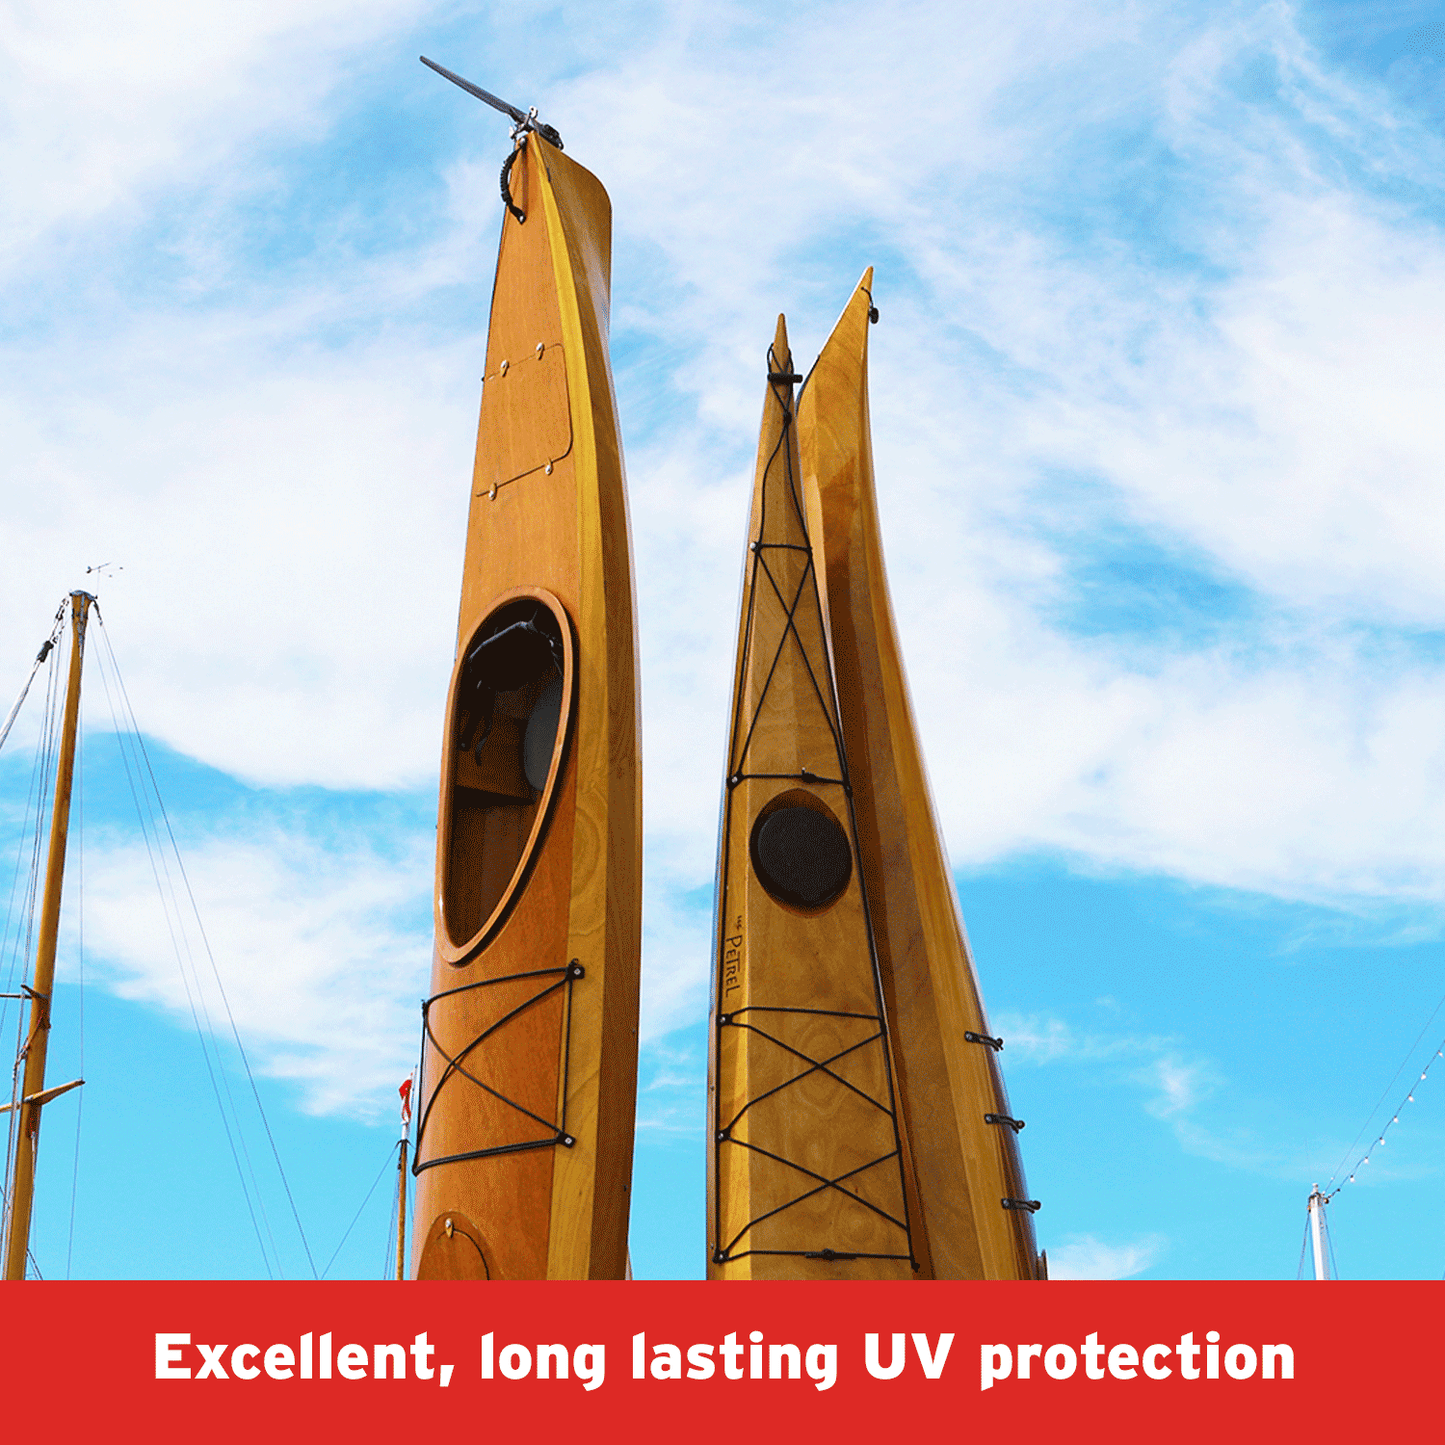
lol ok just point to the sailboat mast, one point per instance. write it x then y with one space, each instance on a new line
22 1183
401 1212
405 1092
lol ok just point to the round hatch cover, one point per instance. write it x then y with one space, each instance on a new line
801 856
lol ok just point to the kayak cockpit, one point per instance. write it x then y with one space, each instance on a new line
510 715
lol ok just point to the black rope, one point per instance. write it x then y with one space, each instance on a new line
507 164
803 776
725 1255
815 1065
829 1013
564 978
790 626
457 1231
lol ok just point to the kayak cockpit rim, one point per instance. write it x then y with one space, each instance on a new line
510 714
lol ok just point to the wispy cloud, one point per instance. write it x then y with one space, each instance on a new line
314 949
1081 1256
1152 277
672 1085
1045 1039
1178 1086
1183 1090
109 110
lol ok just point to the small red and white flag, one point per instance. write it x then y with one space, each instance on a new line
405 1092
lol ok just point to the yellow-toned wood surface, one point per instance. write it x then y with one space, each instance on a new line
805 1175
530 1054
963 1168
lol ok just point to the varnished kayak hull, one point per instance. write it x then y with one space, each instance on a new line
973 1219
524 1146
806 1164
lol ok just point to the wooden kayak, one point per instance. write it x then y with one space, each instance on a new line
806 1167
529 1051
973 1218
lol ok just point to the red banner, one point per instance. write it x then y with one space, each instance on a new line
737 1363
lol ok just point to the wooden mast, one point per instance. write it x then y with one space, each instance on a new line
975 1217
33 1093
401 1210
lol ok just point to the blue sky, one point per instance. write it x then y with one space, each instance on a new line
1159 447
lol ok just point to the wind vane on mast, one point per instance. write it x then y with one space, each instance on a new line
523 119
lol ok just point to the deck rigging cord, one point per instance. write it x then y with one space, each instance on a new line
169 870
553 1133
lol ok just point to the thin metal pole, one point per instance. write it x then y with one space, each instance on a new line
22 1184
1317 1232
405 1092
401 1211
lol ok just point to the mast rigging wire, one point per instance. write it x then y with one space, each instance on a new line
21 949
210 955
1328 1193
205 1033
168 871
390 1154
173 882
46 648
389 1261
1395 1118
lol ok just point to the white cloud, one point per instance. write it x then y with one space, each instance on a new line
1178 1086
1173 1086
321 971
671 1097
1082 1256
1038 1039
103 108
676 954
1238 364
1188 1093
288 595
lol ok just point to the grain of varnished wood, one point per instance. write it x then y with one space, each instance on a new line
962 1167
548 512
